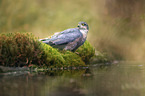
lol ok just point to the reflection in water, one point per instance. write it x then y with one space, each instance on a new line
116 80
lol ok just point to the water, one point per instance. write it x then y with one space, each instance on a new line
122 79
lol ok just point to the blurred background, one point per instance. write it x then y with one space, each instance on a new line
117 27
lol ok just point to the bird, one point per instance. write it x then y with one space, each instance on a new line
69 39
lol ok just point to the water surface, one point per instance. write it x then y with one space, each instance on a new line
122 79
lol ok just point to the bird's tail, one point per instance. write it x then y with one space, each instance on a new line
45 40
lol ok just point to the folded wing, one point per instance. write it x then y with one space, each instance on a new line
60 40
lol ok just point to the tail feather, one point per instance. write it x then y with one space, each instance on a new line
49 42
45 39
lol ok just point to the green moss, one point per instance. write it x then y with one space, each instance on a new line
71 59
86 52
51 57
23 49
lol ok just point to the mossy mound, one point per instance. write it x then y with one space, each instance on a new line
86 51
23 49
71 59
20 49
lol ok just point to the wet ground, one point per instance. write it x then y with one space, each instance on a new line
121 79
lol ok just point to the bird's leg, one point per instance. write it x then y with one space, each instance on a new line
77 53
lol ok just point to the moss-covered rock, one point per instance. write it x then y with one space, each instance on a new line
86 51
23 49
20 49
71 59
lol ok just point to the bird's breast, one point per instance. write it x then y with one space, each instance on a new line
84 33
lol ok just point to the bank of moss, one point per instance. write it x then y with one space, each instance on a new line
23 49
86 51
71 59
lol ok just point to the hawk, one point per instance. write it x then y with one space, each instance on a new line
69 39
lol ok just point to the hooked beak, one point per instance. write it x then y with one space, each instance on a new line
78 25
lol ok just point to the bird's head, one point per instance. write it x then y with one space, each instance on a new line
83 26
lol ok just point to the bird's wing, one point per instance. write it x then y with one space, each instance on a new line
65 36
